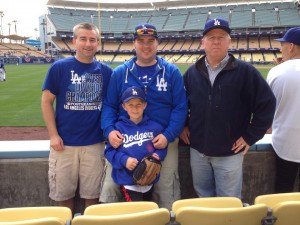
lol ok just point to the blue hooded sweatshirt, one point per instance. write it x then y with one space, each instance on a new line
165 93
137 143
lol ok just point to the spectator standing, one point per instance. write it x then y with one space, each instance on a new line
231 107
138 132
78 84
284 81
2 72
167 105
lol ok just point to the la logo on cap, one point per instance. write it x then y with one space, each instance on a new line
217 22
134 92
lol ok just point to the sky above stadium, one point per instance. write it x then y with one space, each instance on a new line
26 13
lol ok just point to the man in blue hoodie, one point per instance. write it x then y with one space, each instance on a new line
167 105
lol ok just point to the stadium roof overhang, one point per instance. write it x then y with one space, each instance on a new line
145 4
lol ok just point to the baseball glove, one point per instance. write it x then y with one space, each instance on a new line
147 171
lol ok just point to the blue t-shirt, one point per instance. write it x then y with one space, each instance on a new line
80 89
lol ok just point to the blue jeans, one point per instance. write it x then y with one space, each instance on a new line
217 176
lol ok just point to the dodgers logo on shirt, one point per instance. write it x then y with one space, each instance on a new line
161 84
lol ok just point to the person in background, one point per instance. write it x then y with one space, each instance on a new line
166 104
2 72
231 107
78 85
284 80
138 132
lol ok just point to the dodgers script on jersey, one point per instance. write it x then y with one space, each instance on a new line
136 139
84 92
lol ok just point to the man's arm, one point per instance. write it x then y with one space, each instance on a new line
49 117
179 108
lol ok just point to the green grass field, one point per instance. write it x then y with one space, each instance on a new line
20 95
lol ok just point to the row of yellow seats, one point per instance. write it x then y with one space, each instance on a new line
206 211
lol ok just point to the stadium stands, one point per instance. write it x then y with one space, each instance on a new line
254 26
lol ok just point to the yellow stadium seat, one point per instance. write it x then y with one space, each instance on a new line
159 216
287 213
272 199
211 202
118 208
29 213
40 221
251 215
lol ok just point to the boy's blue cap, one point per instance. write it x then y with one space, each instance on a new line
291 36
145 29
216 23
133 92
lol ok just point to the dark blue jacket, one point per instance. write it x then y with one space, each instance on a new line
240 103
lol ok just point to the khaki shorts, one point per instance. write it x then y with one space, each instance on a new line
165 191
76 165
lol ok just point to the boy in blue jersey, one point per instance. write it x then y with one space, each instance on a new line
78 85
138 132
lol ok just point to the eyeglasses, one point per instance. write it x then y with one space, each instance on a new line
149 31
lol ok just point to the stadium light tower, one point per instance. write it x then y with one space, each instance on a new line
35 29
1 15
9 24
15 22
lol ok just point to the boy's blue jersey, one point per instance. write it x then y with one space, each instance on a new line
165 93
137 143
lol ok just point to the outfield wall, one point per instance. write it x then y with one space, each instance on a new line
24 168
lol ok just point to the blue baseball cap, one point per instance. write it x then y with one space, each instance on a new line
133 92
291 36
216 23
145 29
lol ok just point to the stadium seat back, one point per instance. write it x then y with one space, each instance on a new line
287 213
212 202
272 199
159 216
251 215
29 213
39 221
118 208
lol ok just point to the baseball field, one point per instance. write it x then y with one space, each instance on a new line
20 94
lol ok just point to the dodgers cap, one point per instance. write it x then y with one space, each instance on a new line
216 23
133 92
291 36
145 29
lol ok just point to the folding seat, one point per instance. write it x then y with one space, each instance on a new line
195 215
286 213
160 216
211 202
39 221
29 213
118 208
273 199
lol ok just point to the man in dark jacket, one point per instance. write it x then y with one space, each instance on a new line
231 108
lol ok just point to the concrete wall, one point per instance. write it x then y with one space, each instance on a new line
24 182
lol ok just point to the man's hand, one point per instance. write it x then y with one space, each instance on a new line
56 143
115 138
160 141
185 135
240 145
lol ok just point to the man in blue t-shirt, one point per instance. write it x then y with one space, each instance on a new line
78 85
